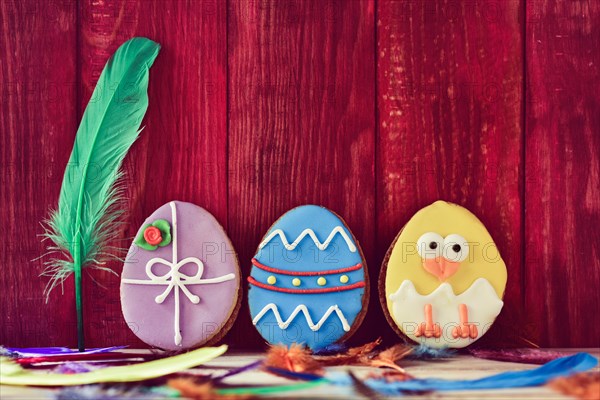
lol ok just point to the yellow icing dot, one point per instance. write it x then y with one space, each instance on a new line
321 281
271 280
344 278
296 282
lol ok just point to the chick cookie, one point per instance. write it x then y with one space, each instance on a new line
442 280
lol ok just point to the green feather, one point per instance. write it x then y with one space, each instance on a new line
88 204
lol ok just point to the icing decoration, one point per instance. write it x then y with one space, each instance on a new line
307 242
442 256
456 248
356 285
430 245
311 233
256 263
428 328
443 269
155 235
440 267
344 279
465 329
152 235
302 308
181 273
408 305
271 280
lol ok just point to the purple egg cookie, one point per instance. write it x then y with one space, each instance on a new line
181 280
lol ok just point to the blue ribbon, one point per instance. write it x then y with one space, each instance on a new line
513 379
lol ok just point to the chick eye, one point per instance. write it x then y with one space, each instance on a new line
430 245
456 248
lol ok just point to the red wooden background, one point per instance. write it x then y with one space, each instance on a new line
372 108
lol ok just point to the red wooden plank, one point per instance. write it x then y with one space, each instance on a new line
301 92
562 203
181 155
450 126
37 121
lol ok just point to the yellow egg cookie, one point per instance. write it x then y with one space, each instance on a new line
443 280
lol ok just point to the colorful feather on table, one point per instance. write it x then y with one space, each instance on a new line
526 356
189 388
422 352
115 392
585 385
88 211
13 374
295 358
49 352
237 371
560 367
361 388
360 355
389 357
300 364
300 360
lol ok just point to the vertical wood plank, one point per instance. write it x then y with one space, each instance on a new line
450 121
181 154
301 98
562 203
37 121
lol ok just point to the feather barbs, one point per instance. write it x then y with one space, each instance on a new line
88 209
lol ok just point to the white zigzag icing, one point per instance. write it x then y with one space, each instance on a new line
311 233
314 327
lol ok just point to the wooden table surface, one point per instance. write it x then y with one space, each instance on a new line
459 367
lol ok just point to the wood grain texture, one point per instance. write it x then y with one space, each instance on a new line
181 154
562 203
37 120
301 119
373 108
450 119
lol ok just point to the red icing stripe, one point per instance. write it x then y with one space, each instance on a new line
305 291
305 273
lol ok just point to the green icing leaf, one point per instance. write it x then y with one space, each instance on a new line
163 225
166 239
145 245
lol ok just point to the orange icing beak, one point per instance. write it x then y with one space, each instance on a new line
441 267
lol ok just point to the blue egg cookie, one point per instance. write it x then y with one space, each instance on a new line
309 283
